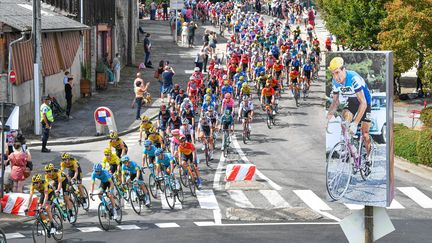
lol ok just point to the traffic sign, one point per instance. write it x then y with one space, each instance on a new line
101 115
12 76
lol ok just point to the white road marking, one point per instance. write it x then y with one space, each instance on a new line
353 206
257 172
395 205
128 227
218 173
10 236
240 199
275 198
89 229
312 200
205 223
165 205
207 199
167 225
417 196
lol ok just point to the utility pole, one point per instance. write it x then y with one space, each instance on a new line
37 61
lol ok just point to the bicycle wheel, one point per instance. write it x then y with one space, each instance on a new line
153 186
39 232
338 171
366 169
169 195
58 224
104 217
135 200
2 236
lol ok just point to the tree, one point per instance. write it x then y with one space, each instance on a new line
355 22
407 32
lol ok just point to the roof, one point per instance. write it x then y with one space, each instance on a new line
18 14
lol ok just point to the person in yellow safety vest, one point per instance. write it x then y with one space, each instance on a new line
47 119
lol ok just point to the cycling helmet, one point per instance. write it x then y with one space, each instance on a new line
208 98
107 151
37 178
65 156
49 167
175 132
185 121
97 167
227 96
197 69
124 158
208 90
144 118
147 143
336 63
113 135
158 152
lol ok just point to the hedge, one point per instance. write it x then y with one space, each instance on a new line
405 143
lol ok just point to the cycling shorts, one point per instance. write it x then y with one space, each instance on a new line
353 105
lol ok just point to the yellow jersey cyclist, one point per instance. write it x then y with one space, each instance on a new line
118 144
74 173
156 138
110 161
106 182
144 127
148 156
135 175
46 197
60 182
357 111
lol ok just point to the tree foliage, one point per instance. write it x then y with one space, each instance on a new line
354 22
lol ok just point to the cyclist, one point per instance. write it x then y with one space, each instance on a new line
135 174
205 129
74 173
164 160
60 183
246 111
106 182
187 153
144 127
148 153
226 122
187 130
357 111
156 138
46 197
267 96
118 144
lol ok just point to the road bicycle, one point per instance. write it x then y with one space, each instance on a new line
2 236
173 190
77 199
155 183
136 196
41 229
105 211
345 159
59 207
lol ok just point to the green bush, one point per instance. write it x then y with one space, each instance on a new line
426 116
424 147
405 142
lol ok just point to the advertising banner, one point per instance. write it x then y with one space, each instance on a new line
359 131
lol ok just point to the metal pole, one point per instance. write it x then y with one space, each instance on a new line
368 224
37 48
2 151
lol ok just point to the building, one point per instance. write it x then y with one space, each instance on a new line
60 51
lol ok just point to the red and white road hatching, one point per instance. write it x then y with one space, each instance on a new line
240 172
16 203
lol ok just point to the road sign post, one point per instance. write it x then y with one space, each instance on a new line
104 117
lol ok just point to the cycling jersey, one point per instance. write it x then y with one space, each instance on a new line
166 160
354 83
267 92
104 176
150 151
186 149
132 168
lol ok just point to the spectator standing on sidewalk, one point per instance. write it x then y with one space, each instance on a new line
116 67
47 119
139 93
147 48
191 33
68 95
153 8
167 81
18 161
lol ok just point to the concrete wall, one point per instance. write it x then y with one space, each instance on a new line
23 95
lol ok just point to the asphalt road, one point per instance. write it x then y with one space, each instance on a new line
290 189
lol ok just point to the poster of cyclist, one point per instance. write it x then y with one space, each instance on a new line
359 151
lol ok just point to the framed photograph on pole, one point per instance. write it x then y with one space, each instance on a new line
359 131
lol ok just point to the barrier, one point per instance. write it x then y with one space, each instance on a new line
240 172
16 203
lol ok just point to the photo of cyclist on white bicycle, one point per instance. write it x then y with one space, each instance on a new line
353 80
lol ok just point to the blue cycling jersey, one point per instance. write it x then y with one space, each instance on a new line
151 151
104 176
132 168
354 83
167 158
